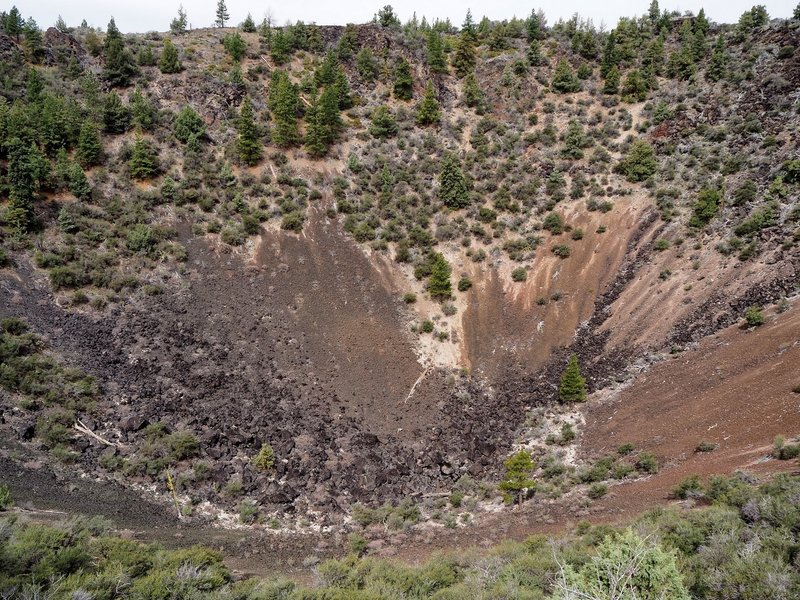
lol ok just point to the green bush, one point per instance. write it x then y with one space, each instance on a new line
705 207
689 487
5 497
754 316
640 162
561 250
519 274
647 463
182 445
265 459
597 491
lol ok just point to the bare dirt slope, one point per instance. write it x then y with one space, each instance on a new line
733 389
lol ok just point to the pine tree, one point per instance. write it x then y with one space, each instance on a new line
498 41
653 12
573 141
611 85
564 79
90 150
428 111
235 45
116 116
324 123
14 23
281 48
439 286
325 74
143 163
383 124
435 53
464 58
342 88
653 62
78 183
473 95
249 143
517 478
534 31
169 62
468 29
330 120
634 89
222 14
314 145
179 24
610 57
189 125
119 65
716 66
248 25
283 101
146 57
640 163
573 385
403 82
34 85
34 44
21 186
701 24
143 111
452 184
366 65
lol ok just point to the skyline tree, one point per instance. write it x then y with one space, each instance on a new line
222 15
178 25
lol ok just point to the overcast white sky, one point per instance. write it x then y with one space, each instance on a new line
149 15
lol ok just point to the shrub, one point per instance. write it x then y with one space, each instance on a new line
248 511
597 491
705 447
409 297
689 487
141 238
647 463
754 317
182 445
661 245
464 284
561 250
357 543
705 207
5 497
553 223
427 326
265 459
519 274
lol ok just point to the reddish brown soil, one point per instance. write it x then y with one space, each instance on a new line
505 325
733 389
